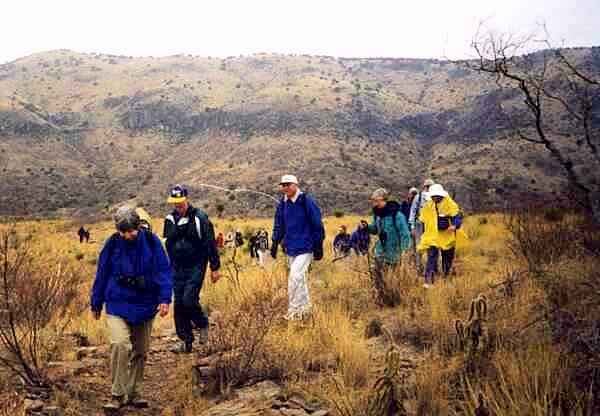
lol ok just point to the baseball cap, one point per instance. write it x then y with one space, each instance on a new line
288 179
178 194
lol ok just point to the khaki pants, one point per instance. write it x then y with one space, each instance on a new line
128 347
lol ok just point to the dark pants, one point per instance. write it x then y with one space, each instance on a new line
432 263
188 312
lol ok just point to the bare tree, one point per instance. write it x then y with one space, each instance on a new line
561 100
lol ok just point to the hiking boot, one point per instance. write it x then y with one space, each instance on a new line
138 403
182 348
203 336
114 405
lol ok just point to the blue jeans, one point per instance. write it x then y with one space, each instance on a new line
432 263
187 310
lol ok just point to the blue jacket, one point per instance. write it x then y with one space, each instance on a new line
360 240
132 258
298 224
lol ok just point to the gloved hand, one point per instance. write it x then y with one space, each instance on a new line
274 248
318 252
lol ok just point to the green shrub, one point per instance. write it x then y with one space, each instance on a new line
338 213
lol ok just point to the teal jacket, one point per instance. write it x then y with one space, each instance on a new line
393 239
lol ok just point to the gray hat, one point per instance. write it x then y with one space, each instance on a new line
126 219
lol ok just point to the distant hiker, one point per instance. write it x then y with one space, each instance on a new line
252 246
416 226
261 247
407 203
299 226
239 239
134 282
360 239
230 240
82 233
220 241
390 226
145 219
191 245
442 220
341 243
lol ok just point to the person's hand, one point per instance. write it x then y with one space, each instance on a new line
215 276
163 309
274 250
97 314
452 228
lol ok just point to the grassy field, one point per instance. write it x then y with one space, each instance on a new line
341 355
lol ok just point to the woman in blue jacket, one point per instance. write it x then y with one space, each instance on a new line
134 283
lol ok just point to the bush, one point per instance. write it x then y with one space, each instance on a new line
338 213
36 306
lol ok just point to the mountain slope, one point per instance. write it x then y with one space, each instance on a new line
80 132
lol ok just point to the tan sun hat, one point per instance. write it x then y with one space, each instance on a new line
288 179
437 190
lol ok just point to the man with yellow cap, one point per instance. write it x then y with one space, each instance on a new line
191 245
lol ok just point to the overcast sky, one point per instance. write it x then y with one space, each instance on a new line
396 28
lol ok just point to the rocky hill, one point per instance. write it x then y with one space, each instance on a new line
82 132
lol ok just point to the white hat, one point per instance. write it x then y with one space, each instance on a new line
437 190
428 182
413 190
289 179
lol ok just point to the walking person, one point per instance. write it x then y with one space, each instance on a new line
341 243
81 233
442 220
416 227
191 246
298 225
262 247
390 226
407 203
360 239
134 283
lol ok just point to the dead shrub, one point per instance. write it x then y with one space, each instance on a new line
36 305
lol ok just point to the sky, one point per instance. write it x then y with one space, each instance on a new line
359 28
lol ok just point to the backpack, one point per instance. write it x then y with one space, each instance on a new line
319 248
262 243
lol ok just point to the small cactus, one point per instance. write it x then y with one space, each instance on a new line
477 317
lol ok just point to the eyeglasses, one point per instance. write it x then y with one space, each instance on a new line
285 185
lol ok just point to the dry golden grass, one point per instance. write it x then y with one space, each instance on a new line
517 371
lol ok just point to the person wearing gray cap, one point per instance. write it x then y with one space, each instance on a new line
416 227
298 225
133 282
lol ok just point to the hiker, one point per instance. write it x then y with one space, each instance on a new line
416 226
191 245
298 225
261 247
341 243
252 246
134 282
393 238
239 239
391 228
81 233
442 220
220 241
360 239
407 203
230 240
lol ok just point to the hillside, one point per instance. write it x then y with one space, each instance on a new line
81 132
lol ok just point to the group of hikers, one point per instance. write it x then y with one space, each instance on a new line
137 278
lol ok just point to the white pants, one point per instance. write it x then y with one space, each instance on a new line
298 297
262 257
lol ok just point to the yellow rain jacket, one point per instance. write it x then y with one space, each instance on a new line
432 237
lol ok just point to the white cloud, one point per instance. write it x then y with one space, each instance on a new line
422 28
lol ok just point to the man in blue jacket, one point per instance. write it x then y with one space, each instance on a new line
299 226
191 244
134 282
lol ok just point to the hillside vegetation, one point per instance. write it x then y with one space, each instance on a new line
81 132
